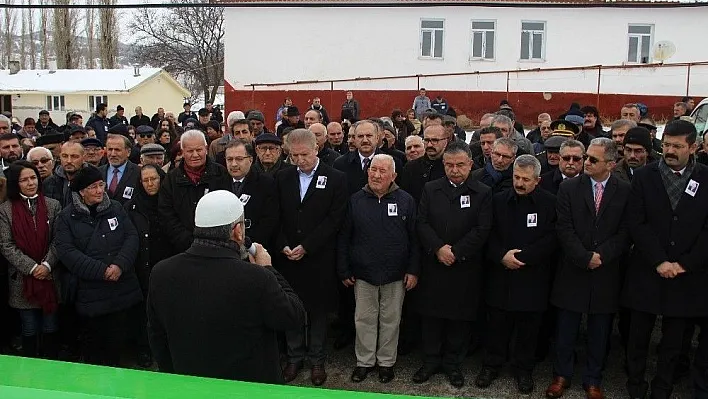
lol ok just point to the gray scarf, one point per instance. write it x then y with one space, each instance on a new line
675 185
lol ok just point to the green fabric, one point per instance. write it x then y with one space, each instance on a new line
23 378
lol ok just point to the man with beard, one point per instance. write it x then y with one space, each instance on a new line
57 185
618 130
255 190
497 174
414 148
403 126
680 109
46 125
268 151
10 149
43 160
637 147
428 167
335 138
324 152
121 175
572 155
93 152
519 257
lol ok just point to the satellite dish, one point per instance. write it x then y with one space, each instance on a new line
663 50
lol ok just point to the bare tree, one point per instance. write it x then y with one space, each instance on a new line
90 36
32 44
107 29
44 38
10 25
186 41
64 34
23 39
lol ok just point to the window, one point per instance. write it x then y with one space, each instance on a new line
95 100
483 35
533 37
55 103
431 38
639 43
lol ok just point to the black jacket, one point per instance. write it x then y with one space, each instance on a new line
155 121
279 165
323 112
313 223
260 207
328 155
550 181
87 245
525 289
418 172
580 233
56 186
49 129
350 110
661 234
141 120
497 186
376 243
452 292
116 120
351 165
101 126
179 197
534 135
285 125
212 315
127 185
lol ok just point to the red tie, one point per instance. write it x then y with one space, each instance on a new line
598 196
114 182
677 174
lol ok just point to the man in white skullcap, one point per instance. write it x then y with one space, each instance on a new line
212 314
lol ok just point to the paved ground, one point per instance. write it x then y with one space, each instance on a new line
340 365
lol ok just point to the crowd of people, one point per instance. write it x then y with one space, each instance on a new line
218 248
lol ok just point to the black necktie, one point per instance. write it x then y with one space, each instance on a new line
237 188
367 163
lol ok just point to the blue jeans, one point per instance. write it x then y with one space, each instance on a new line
34 319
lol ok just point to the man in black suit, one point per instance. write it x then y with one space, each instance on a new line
429 167
324 152
667 273
313 200
497 174
121 175
519 254
255 190
593 237
454 220
572 153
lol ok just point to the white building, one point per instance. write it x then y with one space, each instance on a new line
326 41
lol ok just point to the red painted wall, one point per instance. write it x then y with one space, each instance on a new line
379 103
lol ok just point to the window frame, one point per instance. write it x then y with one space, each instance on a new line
484 40
93 97
640 37
421 30
50 102
543 41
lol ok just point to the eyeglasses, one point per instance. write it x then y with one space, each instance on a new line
502 156
42 161
594 160
91 150
237 159
145 135
266 149
674 146
573 158
429 140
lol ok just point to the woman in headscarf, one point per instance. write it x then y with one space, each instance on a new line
97 243
142 210
27 242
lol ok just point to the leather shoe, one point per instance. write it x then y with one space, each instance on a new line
360 373
593 392
291 371
318 374
385 374
455 378
557 387
524 383
424 373
485 377
344 339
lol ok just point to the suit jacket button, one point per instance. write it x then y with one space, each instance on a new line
673 243
675 218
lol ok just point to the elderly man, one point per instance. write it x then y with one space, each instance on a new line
312 117
593 238
118 117
680 109
121 175
292 119
313 200
5 125
535 136
324 152
618 130
45 124
380 212
93 151
185 185
139 119
256 191
335 138
53 143
414 148
637 148
75 133
506 126
498 173
428 167
545 133
43 160
630 112
207 282
669 225
519 255
152 154
268 152
454 219
257 122
572 156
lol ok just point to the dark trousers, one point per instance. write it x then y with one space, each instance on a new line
345 313
700 362
546 333
523 327
444 342
312 346
105 338
599 328
640 328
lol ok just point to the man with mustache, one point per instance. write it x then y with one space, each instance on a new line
518 263
121 175
571 157
428 167
618 130
637 147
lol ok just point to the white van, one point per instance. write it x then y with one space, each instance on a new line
700 116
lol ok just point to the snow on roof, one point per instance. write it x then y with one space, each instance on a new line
74 80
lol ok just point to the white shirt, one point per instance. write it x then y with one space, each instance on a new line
362 158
